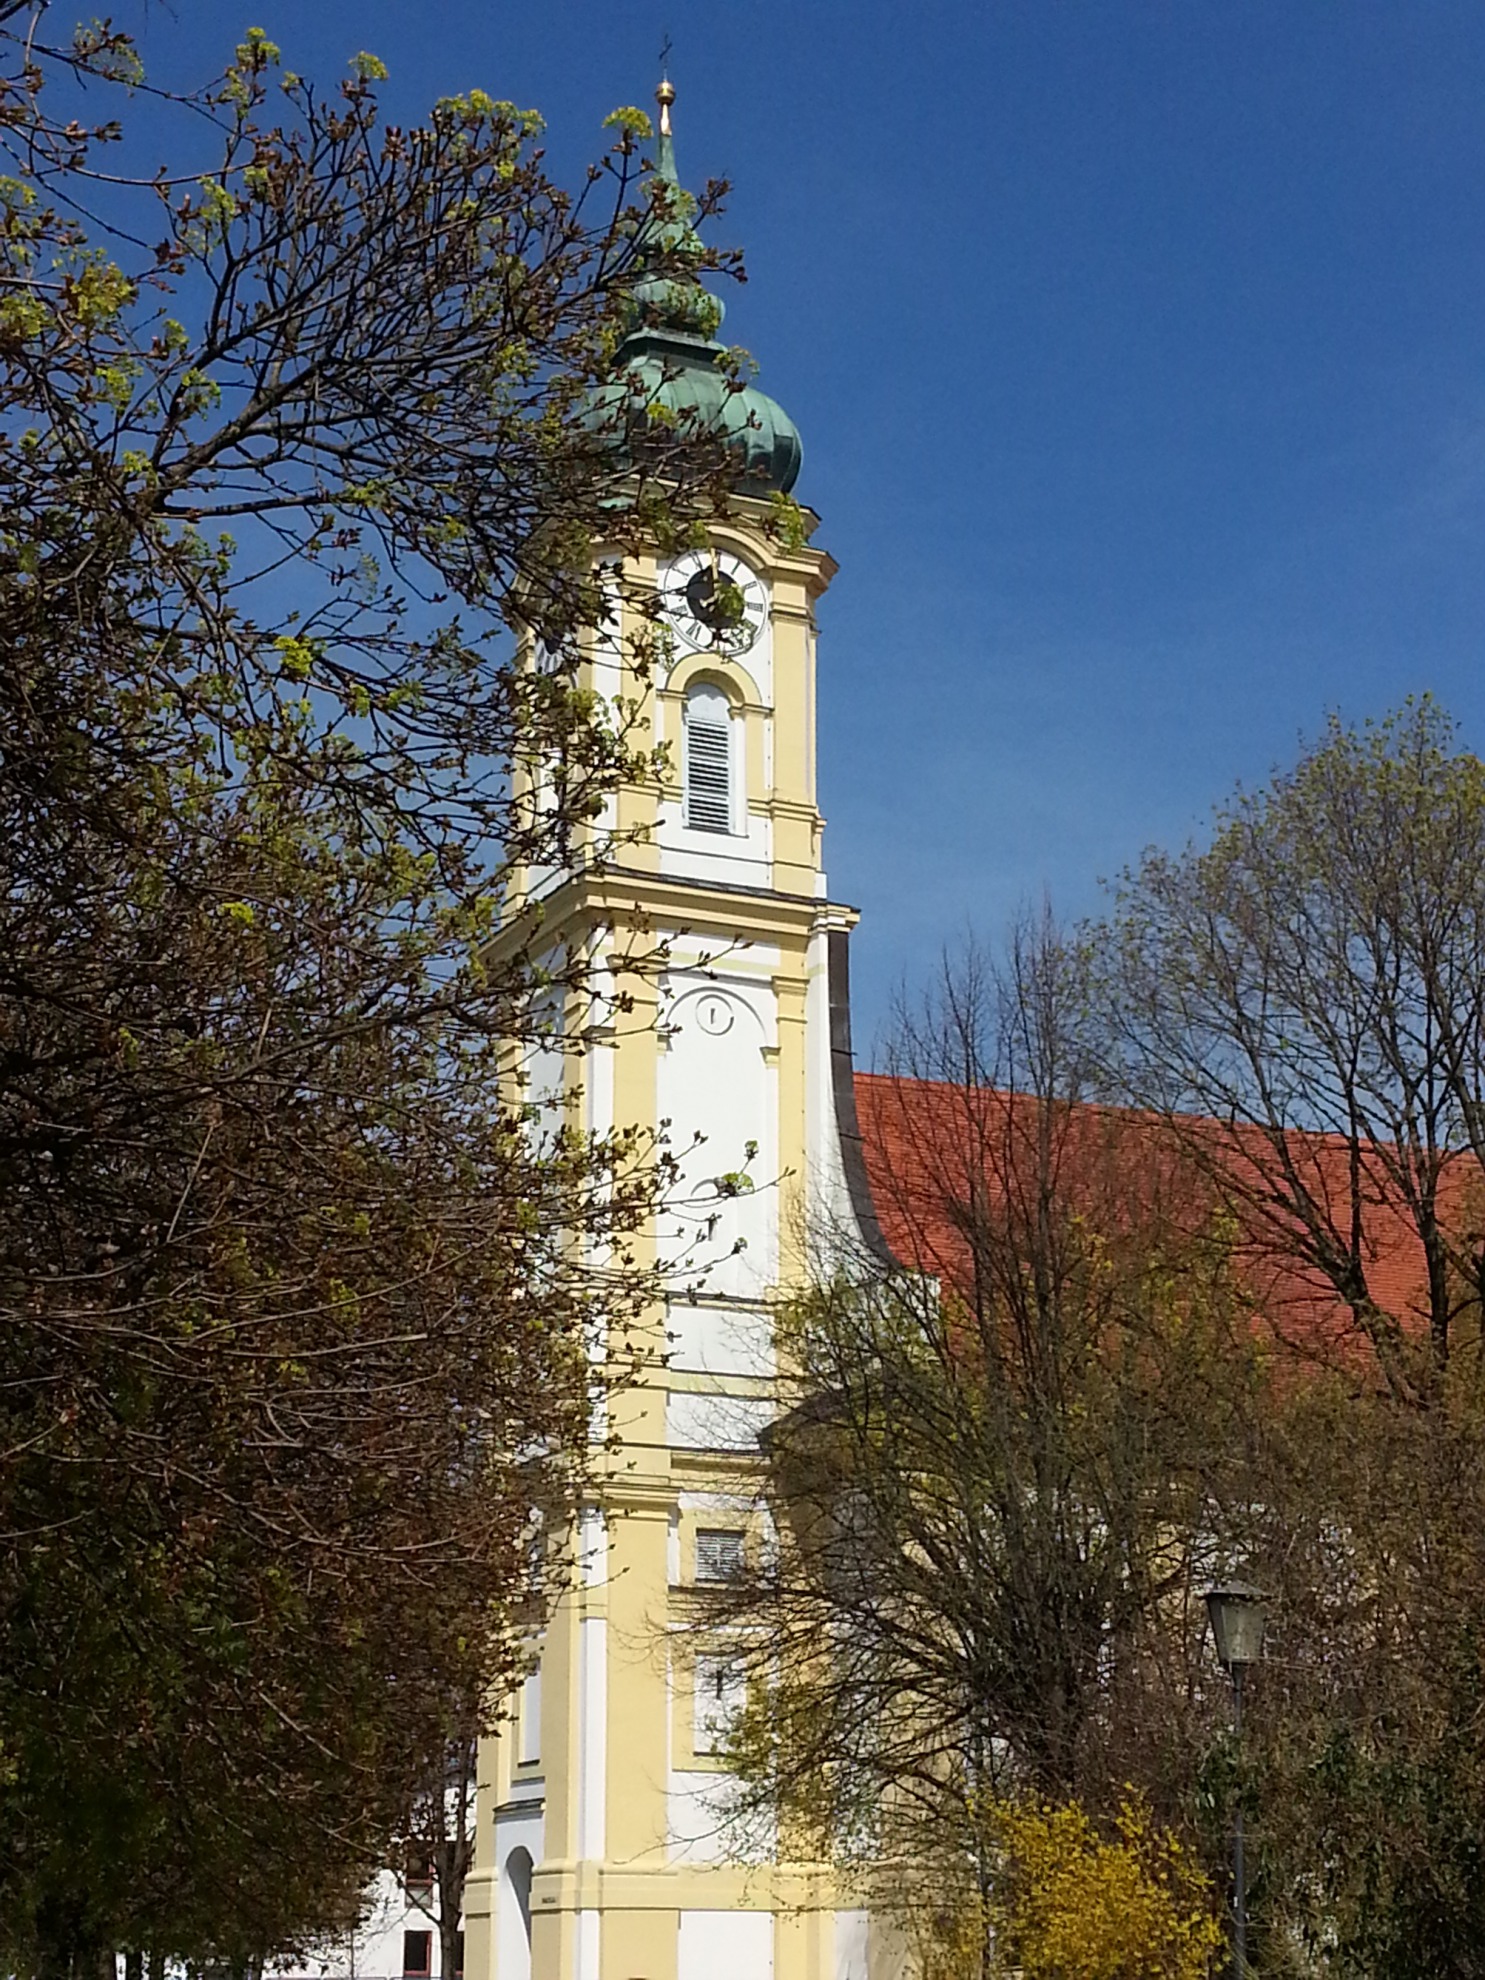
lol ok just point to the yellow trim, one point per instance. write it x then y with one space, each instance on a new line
731 676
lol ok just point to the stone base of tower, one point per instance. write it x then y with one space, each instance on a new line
770 1924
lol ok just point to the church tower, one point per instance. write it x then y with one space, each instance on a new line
599 1852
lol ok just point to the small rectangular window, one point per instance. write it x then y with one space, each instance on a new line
417 1955
419 1873
719 1555
529 1749
720 1691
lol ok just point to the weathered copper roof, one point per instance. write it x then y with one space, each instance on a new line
671 359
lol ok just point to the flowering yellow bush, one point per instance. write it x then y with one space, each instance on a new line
1079 1905
1045 1894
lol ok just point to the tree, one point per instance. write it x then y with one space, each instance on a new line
1298 1002
438 1843
1187 1218
992 1482
294 1389
1363 1766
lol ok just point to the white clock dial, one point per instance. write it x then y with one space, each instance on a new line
714 602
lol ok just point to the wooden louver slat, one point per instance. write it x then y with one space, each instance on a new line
708 778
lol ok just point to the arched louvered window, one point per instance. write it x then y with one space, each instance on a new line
708 759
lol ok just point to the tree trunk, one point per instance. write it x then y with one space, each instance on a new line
450 1953
64 1949
452 1869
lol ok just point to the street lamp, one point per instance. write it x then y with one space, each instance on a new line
1237 1614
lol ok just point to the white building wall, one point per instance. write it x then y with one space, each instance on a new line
725 1945
718 1089
852 1943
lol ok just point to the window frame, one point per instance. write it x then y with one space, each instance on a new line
730 1541
409 1938
713 693
718 1694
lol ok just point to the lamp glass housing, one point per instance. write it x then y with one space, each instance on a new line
1238 1613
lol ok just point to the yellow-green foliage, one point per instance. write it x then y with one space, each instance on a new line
1061 1898
1082 1905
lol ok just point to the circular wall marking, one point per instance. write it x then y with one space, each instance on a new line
714 1015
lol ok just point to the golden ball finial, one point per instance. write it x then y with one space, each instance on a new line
665 96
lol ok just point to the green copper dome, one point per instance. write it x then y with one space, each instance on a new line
671 358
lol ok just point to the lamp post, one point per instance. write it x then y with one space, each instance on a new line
1237 1614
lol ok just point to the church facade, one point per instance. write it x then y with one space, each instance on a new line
602 1849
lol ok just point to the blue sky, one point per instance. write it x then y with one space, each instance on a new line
1139 354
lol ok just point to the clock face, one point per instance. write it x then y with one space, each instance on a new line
714 602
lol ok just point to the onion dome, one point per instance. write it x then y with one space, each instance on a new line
670 357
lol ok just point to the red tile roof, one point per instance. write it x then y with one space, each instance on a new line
937 1155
